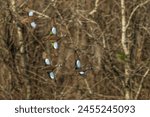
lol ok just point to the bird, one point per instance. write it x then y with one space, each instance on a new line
51 75
77 64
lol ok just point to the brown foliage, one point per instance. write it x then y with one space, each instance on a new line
94 39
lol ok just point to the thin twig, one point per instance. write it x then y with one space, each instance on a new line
23 3
46 8
88 87
95 8
140 86
134 10
40 14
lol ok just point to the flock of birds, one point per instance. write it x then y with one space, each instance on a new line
55 45
52 75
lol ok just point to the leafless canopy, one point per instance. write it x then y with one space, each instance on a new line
103 49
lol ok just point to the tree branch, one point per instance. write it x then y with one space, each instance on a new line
140 86
134 10
95 8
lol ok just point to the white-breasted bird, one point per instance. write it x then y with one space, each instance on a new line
47 61
77 64
33 24
54 30
51 75
30 13
55 45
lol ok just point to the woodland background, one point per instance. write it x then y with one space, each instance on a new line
116 61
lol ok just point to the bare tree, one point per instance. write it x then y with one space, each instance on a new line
108 38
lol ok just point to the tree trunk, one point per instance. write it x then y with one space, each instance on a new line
124 42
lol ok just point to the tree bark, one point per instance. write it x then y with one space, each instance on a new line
124 42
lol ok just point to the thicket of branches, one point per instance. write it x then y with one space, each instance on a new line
89 30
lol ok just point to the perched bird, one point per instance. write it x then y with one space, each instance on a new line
33 24
30 13
51 75
77 64
47 61
55 45
54 30
82 73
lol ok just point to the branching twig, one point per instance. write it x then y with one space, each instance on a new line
134 10
146 29
140 86
95 8
46 8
